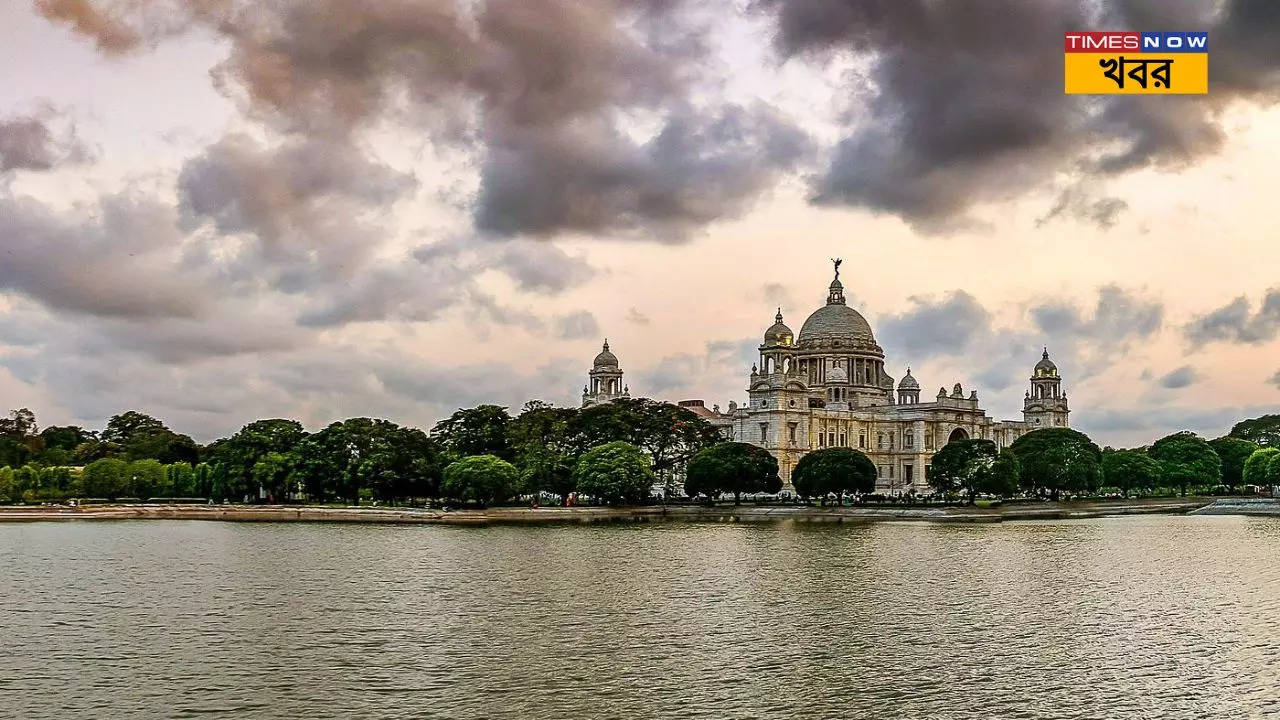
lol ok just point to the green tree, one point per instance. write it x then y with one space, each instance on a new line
1263 431
147 479
66 437
106 478
962 466
1255 468
484 479
402 463
9 491
203 480
272 473
1234 453
240 453
732 467
19 442
1004 476
1054 460
543 449
481 430
90 450
1186 459
181 479
669 434
141 436
614 473
834 470
1273 471
1129 470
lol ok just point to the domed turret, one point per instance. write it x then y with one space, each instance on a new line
908 382
778 333
1045 368
908 390
605 359
604 382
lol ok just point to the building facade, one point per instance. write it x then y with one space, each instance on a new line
828 387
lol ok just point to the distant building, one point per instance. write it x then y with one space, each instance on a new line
828 388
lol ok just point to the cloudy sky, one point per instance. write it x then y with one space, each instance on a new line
220 210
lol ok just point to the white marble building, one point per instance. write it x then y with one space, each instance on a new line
828 387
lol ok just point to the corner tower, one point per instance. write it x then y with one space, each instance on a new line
604 381
1045 404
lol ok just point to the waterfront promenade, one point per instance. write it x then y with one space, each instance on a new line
650 513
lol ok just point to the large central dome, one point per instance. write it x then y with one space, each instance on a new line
836 321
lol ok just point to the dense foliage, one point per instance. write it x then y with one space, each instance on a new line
734 468
1057 460
1234 453
1263 431
1257 467
963 466
614 473
1130 470
562 451
483 479
834 471
1186 459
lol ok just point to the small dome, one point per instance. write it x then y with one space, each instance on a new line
605 359
778 333
908 382
1046 367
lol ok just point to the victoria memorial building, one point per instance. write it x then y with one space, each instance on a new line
827 387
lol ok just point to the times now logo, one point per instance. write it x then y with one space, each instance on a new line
1101 42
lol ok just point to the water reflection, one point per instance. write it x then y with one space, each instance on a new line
1140 616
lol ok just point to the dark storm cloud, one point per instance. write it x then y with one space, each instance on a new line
1236 323
1180 378
28 143
964 101
587 176
1117 316
1087 340
934 326
536 87
541 267
303 201
118 259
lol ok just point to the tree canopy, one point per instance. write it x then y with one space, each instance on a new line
1263 431
1257 466
615 473
481 430
1186 459
963 466
1056 460
1234 453
1129 470
484 479
834 471
732 467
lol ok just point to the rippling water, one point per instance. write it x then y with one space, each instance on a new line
1151 617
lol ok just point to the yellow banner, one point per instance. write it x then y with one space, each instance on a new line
1137 73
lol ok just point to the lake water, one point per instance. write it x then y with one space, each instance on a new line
1138 617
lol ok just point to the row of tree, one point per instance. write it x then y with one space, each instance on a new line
278 460
613 453
1060 460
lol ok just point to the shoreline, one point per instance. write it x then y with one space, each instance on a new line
642 514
